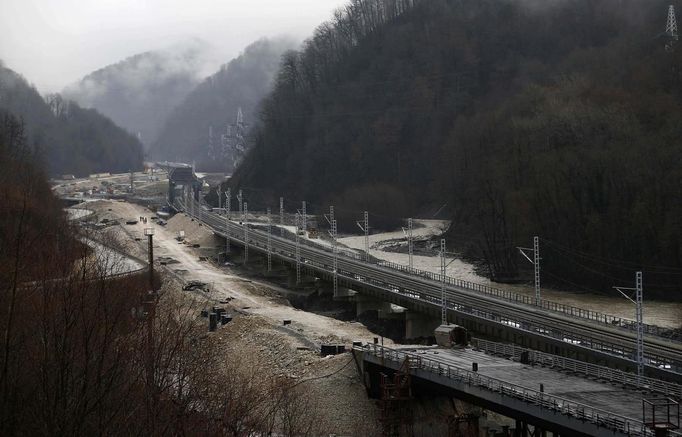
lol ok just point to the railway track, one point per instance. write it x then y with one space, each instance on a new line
581 333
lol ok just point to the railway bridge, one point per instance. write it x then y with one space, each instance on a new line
565 331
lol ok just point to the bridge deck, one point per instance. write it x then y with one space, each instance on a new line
597 394
567 405
569 335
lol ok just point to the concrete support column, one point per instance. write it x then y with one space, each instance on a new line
419 325
520 429
365 303
345 294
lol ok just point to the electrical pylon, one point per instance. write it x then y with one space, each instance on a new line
671 24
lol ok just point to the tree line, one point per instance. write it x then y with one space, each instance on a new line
68 139
80 354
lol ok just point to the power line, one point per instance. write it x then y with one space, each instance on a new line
624 264
613 278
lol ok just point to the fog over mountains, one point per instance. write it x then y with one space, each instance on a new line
65 137
197 129
139 92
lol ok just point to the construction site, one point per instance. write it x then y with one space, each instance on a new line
258 318
258 313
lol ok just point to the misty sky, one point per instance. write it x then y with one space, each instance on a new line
55 42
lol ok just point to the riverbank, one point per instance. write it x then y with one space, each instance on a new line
662 313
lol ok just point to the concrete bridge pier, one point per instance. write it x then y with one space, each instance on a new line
306 280
345 294
365 303
419 325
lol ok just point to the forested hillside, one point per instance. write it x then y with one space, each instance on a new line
139 92
560 119
33 225
68 138
214 103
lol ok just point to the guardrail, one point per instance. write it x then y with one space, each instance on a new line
544 359
566 407
530 300
236 233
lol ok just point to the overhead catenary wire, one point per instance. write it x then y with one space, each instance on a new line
629 265
462 238
617 279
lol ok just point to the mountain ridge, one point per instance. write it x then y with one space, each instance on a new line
68 138
526 119
213 105
139 92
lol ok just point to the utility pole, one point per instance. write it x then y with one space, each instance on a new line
228 199
409 242
305 219
149 232
364 226
333 233
186 191
298 253
132 185
536 266
219 198
246 233
443 299
335 252
408 235
281 216
149 302
191 200
240 200
639 316
269 240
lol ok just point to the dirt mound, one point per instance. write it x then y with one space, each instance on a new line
331 383
195 232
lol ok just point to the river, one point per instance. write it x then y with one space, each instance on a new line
664 314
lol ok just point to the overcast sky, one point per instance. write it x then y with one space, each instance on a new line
55 42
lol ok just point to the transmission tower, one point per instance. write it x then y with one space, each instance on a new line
233 142
211 148
671 24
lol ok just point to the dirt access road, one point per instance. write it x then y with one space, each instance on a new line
337 396
250 296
